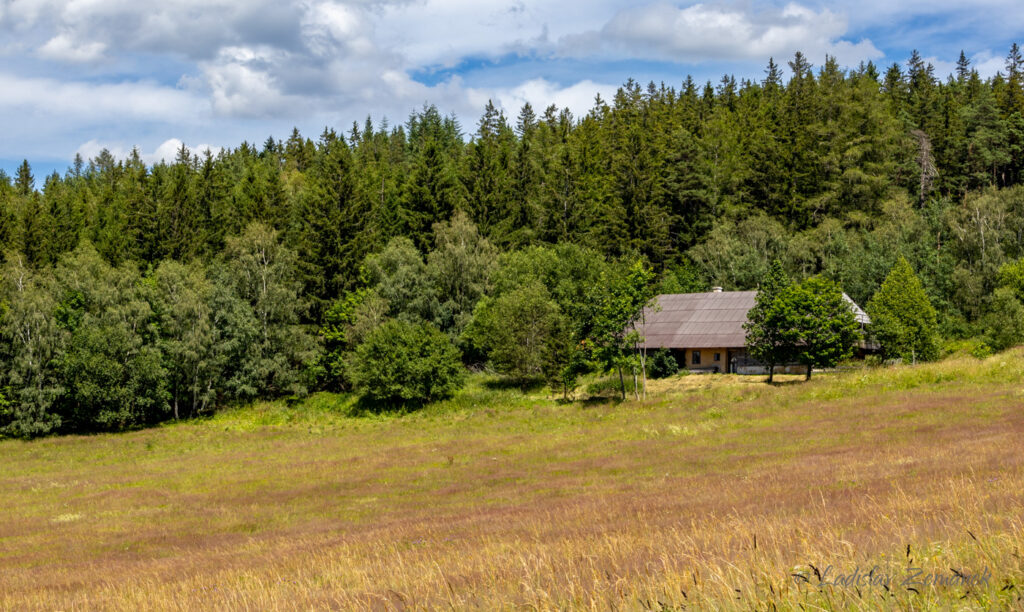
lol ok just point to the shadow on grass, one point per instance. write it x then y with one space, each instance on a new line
595 400
519 384
367 407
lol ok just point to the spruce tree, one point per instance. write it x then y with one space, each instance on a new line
24 182
902 317
963 68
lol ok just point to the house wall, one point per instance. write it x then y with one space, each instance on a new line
745 364
730 360
707 359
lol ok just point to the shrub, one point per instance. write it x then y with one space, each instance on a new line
873 361
661 364
1003 323
402 362
609 386
982 351
515 329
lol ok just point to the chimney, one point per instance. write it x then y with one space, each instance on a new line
716 290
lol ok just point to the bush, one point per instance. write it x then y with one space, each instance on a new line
609 386
1003 323
514 330
982 351
661 364
873 361
402 362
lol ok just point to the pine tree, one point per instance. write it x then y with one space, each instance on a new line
177 213
527 177
987 136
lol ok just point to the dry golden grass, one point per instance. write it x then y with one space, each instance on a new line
717 493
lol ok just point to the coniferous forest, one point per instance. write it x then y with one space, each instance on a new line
132 294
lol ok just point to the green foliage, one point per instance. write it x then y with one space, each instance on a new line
1003 323
272 352
326 229
399 275
337 335
564 359
768 340
661 364
902 317
516 329
407 363
737 254
181 297
611 386
111 367
831 172
808 322
981 350
614 306
819 324
569 272
566 274
460 267
1011 276
32 344
682 278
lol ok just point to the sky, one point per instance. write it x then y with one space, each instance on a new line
78 76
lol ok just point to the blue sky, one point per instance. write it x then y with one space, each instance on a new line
83 75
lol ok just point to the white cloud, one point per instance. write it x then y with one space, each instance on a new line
996 14
329 27
190 28
63 48
241 83
988 64
91 149
224 70
141 100
271 59
168 151
704 32
165 152
985 62
540 93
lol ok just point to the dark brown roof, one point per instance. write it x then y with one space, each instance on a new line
698 320
704 320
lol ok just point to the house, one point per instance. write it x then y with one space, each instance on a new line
705 331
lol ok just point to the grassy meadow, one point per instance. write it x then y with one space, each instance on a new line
886 488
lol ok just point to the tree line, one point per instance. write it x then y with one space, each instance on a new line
134 293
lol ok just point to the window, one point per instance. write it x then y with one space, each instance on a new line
695 357
718 356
